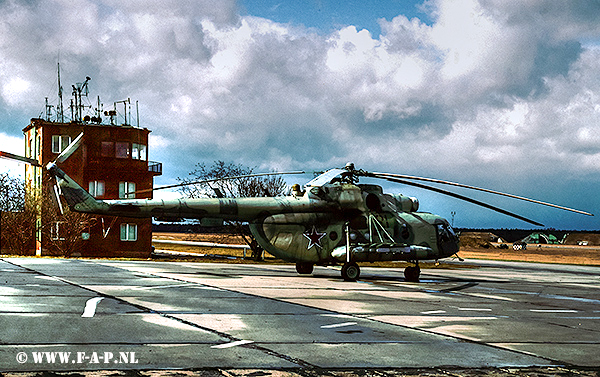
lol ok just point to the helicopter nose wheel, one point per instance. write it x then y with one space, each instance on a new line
350 271
304 268
412 273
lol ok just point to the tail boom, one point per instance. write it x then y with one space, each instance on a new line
241 209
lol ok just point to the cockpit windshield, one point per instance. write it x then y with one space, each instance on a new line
447 239
326 177
445 232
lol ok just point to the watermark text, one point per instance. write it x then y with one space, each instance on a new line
77 357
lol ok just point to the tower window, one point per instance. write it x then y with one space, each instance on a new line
128 232
57 231
96 188
138 151
122 149
107 149
126 190
60 143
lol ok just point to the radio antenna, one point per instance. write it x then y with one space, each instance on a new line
59 114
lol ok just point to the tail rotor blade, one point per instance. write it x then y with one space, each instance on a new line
61 157
10 156
70 149
57 197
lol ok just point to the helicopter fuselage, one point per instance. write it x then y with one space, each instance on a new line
362 224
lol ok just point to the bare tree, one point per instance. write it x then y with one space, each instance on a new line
220 172
12 193
25 212
63 231
18 219
221 186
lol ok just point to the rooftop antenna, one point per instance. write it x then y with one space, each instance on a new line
60 111
80 90
125 103
48 110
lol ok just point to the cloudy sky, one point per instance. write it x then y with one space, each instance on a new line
495 93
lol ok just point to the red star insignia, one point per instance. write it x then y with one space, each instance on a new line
314 237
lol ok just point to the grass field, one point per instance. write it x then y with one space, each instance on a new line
566 254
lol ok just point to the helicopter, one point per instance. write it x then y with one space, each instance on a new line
332 220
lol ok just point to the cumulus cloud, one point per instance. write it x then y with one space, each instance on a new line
484 89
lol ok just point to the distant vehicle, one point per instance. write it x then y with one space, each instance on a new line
520 245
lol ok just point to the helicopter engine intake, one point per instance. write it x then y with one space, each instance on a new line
406 203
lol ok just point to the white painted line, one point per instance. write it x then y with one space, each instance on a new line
434 312
48 278
476 309
337 315
233 344
338 325
90 307
553 310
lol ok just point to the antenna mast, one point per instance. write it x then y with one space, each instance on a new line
80 90
59 113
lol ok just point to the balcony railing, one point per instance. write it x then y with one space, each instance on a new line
155 167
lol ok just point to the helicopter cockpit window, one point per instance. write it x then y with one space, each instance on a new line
318 192
445 232
325 178
404 232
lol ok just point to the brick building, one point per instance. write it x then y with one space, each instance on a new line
111 162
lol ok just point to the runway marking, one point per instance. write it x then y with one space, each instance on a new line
434 312
53 278
336 325
493 297
553 310
90 307
337 315
556 297
233 344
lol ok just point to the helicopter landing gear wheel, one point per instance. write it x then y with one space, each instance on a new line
350 271
304 268
412 273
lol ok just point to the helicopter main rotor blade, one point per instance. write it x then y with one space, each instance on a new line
10 156
462 197
218 179
384 175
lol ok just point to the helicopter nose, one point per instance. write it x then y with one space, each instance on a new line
448 245
451 247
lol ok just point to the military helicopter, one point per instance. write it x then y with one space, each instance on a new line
332 220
